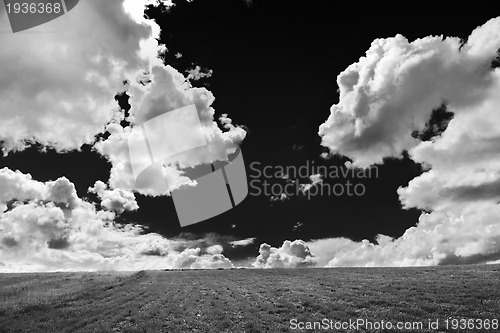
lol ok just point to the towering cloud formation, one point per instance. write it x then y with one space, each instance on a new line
385 97
393 89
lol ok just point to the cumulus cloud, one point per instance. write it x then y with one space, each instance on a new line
58 80
47 227
390 93
117 200
441 237
393 89
289 255
214 249
168 90
18 186
192 258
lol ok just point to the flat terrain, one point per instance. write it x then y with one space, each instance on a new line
246 300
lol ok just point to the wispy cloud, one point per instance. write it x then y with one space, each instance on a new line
243 242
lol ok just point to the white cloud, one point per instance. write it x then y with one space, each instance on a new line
58 81
192 258
18 186
115 149
197 73
214 249
289 255
281 197
391 92
167 91
297 226
315 180
393 89
117 200
57 86
46 227
243 242
471 235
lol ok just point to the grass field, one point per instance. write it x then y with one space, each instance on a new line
245 300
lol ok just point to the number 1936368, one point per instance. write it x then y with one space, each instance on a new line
33 8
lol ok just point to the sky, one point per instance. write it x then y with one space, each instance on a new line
369 136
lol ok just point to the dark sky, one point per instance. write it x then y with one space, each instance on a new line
274 71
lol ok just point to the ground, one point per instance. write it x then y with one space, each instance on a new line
248 300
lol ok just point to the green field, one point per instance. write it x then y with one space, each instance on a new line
246 300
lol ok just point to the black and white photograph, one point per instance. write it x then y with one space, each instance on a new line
249 166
